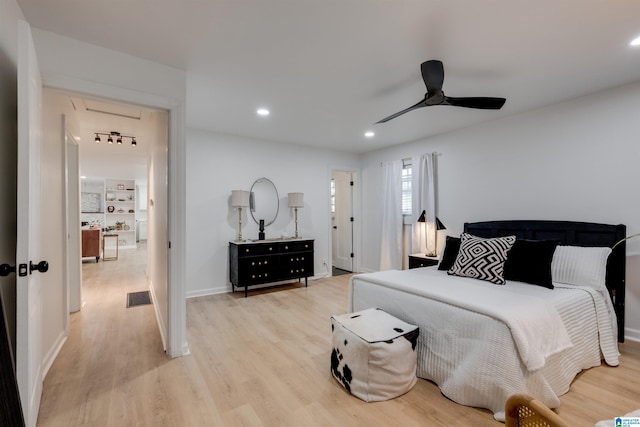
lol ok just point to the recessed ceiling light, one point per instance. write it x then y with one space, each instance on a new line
635 42
262 112
369 134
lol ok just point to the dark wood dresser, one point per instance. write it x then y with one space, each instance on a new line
91 243
256 263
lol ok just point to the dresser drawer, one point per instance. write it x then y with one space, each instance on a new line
256 270
299 264
419 261
305 245
257 249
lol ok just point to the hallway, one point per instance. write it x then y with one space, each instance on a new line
102 365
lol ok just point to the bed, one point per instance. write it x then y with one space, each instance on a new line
482 342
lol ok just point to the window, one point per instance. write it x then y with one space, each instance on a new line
333 195
406 187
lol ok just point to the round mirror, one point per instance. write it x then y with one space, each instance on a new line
263 201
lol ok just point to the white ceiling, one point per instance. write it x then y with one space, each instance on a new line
329 69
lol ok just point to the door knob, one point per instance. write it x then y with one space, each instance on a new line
42 266
6 269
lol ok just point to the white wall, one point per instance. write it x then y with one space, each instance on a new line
573 161
218 164
64 61
74 65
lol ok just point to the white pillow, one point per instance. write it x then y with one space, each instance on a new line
576 265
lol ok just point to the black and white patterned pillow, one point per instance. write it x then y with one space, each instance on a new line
482 258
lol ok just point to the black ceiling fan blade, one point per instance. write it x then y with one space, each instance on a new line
482 103
406 110
432 74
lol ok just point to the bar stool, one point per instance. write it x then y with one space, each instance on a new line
111 257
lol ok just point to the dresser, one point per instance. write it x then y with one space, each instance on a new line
256 263
91 243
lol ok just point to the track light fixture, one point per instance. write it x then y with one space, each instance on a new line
118 139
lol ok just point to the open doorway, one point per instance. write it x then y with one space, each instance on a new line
124 193
342 221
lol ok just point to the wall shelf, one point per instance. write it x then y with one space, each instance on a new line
111 201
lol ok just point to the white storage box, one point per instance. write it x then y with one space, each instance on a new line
374 354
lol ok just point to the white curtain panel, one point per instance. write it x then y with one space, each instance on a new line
391 250
424 199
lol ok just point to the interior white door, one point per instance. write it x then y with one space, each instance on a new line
28 281
342 244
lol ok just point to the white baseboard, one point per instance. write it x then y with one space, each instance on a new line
53 352
227 289
161 324
208 291
631 334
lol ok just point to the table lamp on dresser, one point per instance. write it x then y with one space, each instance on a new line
295 202
239 199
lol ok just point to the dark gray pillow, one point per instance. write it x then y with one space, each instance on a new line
482 258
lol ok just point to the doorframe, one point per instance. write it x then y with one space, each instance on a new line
356 209
72 274
176 341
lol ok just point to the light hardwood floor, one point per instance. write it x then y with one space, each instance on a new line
259 361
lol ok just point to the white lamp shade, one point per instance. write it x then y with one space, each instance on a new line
295 200
239 198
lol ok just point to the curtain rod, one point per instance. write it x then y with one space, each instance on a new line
435 153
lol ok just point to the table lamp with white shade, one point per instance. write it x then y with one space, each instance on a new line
296 201
239 199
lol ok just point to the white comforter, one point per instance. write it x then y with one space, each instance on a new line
479 353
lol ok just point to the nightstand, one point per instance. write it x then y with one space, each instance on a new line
421 260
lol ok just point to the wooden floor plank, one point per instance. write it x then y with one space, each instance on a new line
257 361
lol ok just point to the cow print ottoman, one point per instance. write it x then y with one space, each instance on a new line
374 354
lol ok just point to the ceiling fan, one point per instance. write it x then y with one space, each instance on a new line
433 76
